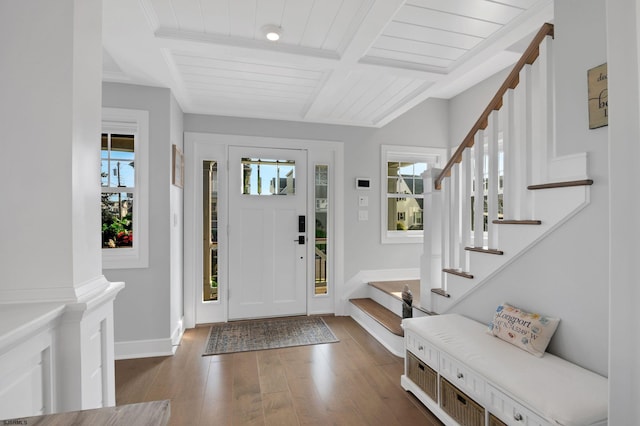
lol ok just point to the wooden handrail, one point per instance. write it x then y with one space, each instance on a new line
528 57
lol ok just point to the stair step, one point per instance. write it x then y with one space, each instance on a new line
382 315
440 292
517 222
458 273
583 182
485 250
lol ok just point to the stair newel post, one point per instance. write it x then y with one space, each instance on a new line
542 113
522 140
478 195
493 178
432 261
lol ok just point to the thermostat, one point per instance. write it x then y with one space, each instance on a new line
363 183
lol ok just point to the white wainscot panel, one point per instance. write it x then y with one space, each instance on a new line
26 381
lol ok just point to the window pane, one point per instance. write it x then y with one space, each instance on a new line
210 230
322 207
405 177
404 214
268 177
121 165
117 220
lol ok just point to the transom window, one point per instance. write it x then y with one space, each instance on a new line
268 177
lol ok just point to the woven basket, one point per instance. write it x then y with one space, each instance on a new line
423 376
459 406
494 421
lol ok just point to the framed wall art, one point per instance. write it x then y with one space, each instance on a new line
177 167
598 97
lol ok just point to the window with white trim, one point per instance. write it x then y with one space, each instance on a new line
124 182
402 190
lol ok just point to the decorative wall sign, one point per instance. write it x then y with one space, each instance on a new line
177 162
598 97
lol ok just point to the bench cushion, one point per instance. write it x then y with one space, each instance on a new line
560 391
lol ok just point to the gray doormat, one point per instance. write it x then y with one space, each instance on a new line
272 333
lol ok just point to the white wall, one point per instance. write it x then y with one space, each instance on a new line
566 275
424 125
146 309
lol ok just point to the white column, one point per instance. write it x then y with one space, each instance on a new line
50 107
50 118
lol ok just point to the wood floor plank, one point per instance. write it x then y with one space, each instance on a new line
352 382
278 409
247 399
271 372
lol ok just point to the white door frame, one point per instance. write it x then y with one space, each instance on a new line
207 146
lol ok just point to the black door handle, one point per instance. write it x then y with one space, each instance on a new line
300 239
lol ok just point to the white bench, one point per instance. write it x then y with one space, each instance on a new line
510 386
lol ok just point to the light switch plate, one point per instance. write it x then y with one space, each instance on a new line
363 214
363 201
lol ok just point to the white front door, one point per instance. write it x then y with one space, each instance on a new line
267 236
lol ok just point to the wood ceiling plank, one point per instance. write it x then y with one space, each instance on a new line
200 82
294 20
269 12
445 38
206 74
215 15
164 11
256 67
396 97
242 16
346 22
446 21
189 14
483 10
319 22
419 48
370 93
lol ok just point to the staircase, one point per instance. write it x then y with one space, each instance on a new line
503 190
380 312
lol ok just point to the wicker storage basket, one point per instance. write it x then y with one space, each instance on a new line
459 406
423 376
494 421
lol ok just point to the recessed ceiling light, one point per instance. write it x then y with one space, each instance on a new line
272 32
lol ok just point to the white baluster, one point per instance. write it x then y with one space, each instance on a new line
465 207
446 228
454 247
510 199
492 190
478 204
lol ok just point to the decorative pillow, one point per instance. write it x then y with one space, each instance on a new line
529 331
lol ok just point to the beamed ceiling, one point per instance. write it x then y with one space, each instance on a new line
353 62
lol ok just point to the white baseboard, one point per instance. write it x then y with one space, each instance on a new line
143 348
176 336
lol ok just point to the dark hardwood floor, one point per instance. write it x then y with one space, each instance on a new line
353 382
